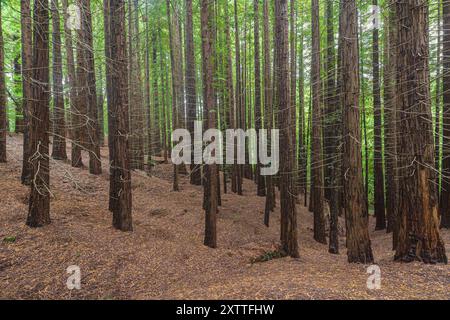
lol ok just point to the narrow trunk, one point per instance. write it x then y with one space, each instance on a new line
358 243
3 104
191 90
316 150
26 28
59 124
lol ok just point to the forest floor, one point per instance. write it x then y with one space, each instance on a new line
164 258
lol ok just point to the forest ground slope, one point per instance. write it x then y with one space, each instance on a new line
164 258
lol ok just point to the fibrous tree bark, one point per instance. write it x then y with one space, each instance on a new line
137 127
390 122
316 150
87 96
260 181
445 193
75 116
122 218
27 42
191 90
379 204
39 201
59 123
289 242
3 105
419 237
332 133
356 216
210 186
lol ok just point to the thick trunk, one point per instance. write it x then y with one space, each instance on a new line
445 196
419 237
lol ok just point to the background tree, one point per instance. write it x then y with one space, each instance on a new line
316 157
356 216
3 118
59 123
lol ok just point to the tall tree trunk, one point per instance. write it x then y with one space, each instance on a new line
238 96
288 211
437 123
261 183
59 123
419 237
27 43
210 187
176 78
136 102
302 156
87 96
317 161
3 104
122 218
332 133
390 120
445 196
293 73
100 109
268 114
75 111
148 106
358 243
39 201
191 90
17 70
113 173
380 210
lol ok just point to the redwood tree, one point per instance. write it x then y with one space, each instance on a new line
122 218
356 216
316 149
210 186
3 105
39 201
380 211
419 237
59 123
289 242
27 41
445 196
191 90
